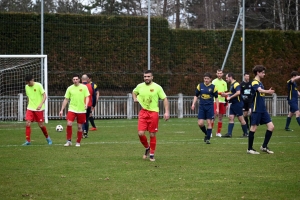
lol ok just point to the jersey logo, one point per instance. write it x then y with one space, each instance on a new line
151 90
209 90
34 90
80 90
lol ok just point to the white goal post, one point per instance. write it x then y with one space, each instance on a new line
13 70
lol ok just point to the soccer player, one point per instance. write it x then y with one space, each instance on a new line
35 108
260 114
206 93
96 95
247 99
293 100
84 80
221 87
148 95
78 95
236 108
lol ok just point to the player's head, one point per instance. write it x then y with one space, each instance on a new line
89 78
76 79
148 77
219 73
207 78
294 73
259 70
230 77
29 80
246 77
84 78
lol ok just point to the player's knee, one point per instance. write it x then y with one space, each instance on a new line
141 133
271 126
28 123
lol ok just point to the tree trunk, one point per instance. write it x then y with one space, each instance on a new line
177 13
281 15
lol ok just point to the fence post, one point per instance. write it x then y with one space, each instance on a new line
129 106
20 107
180 105
274 103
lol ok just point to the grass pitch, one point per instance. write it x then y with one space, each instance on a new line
109 163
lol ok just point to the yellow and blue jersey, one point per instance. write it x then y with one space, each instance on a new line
293 91
258 98
234 87
207 93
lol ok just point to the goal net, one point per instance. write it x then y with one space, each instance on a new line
13 70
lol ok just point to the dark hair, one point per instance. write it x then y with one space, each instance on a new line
230 74
148 72
294 73
89 76
76 75
207 74
246 73
28 78
258 68
219 70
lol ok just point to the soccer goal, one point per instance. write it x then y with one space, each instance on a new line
13 70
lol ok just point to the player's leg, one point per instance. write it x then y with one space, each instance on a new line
266 119
153 128
29 118
255 119
232 114
70 118
81 119
86 123
91 119
244 125
39 117
288 120
245 114
209 116
142 128
201 117
215 115
222 111
298 116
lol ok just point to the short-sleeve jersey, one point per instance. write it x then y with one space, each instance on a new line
246 91
77 95
221 86
207 93
149 95
234 87
292 91
258 98
35 96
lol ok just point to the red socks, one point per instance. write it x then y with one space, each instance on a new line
79 136
44 130
144 141
219 127
27 133
69 133
152 145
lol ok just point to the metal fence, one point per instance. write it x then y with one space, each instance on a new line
114 107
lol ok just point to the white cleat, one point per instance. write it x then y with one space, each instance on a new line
267 150
77 144
218 134
252 151
68 144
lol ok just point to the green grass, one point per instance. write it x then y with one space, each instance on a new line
109 163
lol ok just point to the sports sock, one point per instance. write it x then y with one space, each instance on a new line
267 138
247 122
144 141
152 145
69 133
288 121
27 133
219 127
44 130
230 128
79 136
298 120
203 129
250 140
244 128
91 118
209 131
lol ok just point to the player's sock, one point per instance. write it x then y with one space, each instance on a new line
152 145
230 128
250 140
244 128
144 141
91 118
219 127
79 136
44 130
267 138
69 133
27 133
288 121
203 129
247 122
209 131
298 120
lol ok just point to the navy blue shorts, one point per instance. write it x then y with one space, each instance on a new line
260 118
293 107
206 112
236 110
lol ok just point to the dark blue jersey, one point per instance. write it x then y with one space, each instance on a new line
234 87
246 91
258 105
207 93
293 91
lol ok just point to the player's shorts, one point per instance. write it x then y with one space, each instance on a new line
148 121
34 116
260 118
81 117
236 109
222 108
206 112
293 106
247 106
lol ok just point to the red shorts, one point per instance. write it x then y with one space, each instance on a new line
34 116
148 121
222 108
81 117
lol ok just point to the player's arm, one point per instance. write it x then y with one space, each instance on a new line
269 91
295 78
217 105
64 104
43 101
197 93
86 100
167 109
134 96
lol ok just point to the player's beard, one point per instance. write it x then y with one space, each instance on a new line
148 82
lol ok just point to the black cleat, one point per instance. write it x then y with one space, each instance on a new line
227 135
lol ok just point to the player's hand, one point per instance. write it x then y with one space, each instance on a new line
60 113
39 107
223 94
217 111
228 98
166 116
92 109
193 107
135 100
271 91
